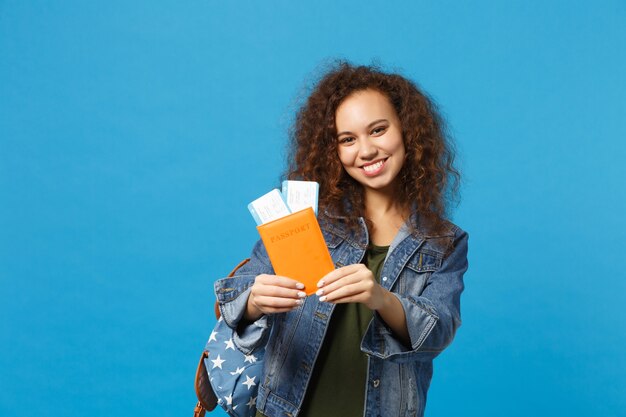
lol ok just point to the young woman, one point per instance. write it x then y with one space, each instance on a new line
364 344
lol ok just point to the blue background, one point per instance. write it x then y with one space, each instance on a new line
133 134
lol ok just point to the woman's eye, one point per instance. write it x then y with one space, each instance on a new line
346 140
378 130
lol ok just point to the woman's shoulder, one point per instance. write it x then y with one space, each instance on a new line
448 230
444 239
426 228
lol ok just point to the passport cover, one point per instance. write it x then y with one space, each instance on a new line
297 249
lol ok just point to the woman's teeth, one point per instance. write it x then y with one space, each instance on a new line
374 167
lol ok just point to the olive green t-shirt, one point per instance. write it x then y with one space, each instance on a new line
337 386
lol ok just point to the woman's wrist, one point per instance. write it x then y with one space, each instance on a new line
252 313
384 300
393 315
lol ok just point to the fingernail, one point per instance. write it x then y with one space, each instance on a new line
320 292
320 284
301 294
299 302
300 286
323 298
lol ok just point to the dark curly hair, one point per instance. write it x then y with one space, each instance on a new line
428 180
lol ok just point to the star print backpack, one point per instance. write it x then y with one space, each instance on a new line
226 376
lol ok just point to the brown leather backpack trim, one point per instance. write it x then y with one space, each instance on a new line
206 397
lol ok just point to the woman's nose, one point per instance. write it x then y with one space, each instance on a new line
367 149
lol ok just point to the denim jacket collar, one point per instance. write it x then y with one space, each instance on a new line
420 229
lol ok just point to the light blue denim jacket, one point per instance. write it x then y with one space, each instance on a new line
424 271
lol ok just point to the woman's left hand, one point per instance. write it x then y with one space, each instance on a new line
352 284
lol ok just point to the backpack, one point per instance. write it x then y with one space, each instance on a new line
225 375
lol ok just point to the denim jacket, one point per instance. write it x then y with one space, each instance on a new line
424 271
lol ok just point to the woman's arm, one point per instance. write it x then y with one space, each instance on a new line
356 284
423 325
247 300
232 298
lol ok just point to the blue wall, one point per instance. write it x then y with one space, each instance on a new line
133 134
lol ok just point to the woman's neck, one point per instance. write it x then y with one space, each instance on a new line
386 215
381 204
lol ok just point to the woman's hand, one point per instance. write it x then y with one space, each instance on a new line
273 294
356 284
352 284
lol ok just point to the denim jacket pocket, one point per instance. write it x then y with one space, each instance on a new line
425 261
332 240
419 268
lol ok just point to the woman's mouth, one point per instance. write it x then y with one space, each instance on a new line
374 168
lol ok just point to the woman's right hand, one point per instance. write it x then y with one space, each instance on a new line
273 294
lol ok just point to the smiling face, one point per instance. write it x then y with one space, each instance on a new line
369 140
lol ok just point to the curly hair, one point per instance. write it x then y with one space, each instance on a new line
428 179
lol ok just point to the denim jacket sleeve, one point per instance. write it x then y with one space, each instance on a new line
432 317
232 298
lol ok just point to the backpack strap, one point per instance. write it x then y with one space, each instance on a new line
206 397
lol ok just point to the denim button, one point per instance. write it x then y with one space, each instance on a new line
376 383
384 278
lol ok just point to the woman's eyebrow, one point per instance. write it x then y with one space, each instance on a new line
368 126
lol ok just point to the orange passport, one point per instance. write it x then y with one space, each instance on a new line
297 249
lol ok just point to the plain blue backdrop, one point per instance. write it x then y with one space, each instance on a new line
133 134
